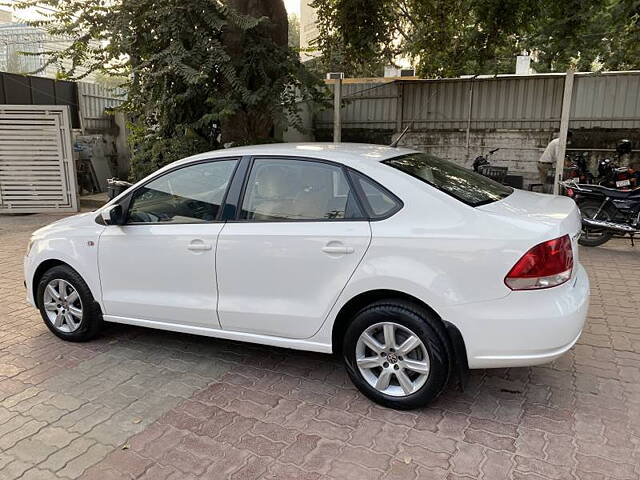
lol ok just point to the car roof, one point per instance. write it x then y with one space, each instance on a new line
349 154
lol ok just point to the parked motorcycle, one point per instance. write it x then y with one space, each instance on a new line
606 212
578 169
482 160
612 175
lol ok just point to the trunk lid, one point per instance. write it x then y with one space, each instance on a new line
550 215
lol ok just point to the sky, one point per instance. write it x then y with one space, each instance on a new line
292 6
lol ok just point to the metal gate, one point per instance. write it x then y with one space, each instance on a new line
37 172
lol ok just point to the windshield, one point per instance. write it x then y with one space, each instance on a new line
467 186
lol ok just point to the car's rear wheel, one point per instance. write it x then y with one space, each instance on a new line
67 305
396 354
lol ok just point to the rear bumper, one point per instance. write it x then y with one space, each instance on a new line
524 328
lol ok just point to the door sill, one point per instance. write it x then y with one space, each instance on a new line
295 344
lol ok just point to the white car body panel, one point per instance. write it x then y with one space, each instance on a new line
148 272
67 240
449 255
270 340
275 279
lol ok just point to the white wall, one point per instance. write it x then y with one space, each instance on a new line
519 149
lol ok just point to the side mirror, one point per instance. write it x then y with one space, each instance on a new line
113 215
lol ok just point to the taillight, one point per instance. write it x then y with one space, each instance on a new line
548 264
570 192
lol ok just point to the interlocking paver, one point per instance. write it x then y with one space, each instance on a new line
146 404
57 461
78 465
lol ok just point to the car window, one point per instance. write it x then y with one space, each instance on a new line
280 190
191 194
467 186
380 201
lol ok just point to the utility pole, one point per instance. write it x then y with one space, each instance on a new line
337 103
469 114
564 128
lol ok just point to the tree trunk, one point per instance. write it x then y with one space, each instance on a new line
249 126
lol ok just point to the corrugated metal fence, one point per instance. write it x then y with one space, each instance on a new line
608 100
94 100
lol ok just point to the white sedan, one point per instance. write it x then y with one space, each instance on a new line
412 268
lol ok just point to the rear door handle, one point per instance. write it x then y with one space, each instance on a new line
199 246
337 250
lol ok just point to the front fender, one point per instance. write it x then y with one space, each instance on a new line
77 247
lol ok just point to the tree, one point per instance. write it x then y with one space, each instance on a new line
195 70
570 32
294 31
454 37
623 35
354 36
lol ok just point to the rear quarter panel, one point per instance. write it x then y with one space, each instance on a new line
439 249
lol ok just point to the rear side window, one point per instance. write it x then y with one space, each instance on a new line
380 201
287 189
467 186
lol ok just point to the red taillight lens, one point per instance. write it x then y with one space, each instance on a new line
570 192
546 265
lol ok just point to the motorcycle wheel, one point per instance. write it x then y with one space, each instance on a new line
594 237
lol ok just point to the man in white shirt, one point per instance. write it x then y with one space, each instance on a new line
549 157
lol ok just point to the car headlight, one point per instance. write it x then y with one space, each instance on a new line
32 242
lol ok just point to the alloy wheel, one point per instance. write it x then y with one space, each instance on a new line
62 305
392 359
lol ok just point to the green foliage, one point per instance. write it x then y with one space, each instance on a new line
454 37
153 151
354 36
194 69
623 35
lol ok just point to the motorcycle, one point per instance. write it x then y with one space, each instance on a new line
481 160
578 168
606 212
611 175
482 166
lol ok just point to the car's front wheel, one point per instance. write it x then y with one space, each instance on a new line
67 305
396 354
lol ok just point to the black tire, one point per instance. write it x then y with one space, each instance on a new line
588 208
91 322
421 323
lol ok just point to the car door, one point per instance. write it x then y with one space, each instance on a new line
160 265
295 242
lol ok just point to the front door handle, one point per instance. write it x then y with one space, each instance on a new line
337 250
199 246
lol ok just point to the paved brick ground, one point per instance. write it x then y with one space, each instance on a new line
145 404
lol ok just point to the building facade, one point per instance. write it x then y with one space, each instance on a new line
308 30
22 47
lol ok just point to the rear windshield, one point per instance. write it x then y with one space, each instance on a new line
465 185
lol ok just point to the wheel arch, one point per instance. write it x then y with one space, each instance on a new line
455 342
47 265
40 270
